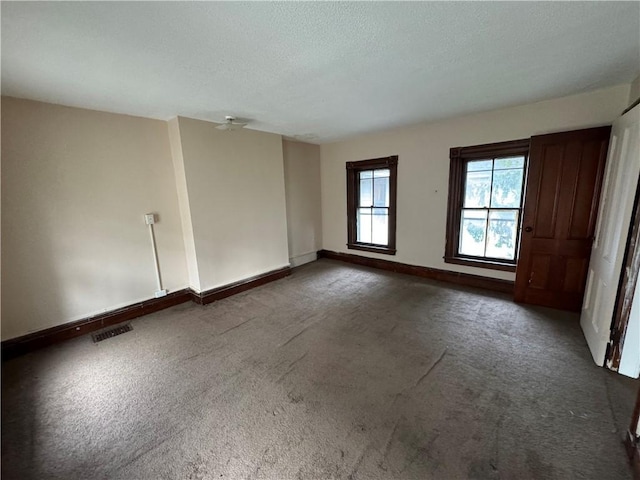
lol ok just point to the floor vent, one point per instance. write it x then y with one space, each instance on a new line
112 332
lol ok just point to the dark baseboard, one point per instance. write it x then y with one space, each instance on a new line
214 294
466 279
27 343
43 338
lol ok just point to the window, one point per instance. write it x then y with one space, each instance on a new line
371 205
486 184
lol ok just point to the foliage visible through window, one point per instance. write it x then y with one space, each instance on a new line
485 204
371 186
491 209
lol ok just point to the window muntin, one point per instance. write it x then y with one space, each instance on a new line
486 185
371 186
373 207
491 208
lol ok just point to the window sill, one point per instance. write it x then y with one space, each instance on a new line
489 264
371 248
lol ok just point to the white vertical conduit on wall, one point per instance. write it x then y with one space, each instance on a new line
149 219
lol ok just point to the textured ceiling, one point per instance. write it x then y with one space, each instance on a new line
320 71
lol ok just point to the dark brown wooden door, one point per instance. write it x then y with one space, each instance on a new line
561 204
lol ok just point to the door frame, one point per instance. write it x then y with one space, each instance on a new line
629 276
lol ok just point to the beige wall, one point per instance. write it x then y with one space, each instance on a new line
235 183
423 168
75 186
183 201
304 215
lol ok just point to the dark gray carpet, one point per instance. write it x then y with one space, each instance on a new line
334 372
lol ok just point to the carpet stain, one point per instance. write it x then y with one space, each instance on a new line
426 374
298 359
234 327
387 445
537 466
282 377
356 466
484 469
197 469
295 398
149 447
296 336
418 449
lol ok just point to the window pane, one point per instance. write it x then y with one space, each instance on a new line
503 227
476 165
371 198
511 162
366 194
364 225
381 192
507 188
477 189
380 226
473 229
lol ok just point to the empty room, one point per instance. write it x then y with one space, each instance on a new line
320 240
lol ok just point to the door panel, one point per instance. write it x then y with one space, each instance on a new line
561 203
576 272
614 219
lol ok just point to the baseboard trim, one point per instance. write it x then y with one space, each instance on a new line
43 338
219 293
303 259
466 279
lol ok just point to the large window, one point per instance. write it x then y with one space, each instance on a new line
486 196
371 205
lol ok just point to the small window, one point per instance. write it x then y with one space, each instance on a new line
371 205
486 196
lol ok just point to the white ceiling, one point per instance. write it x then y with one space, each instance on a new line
322 71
